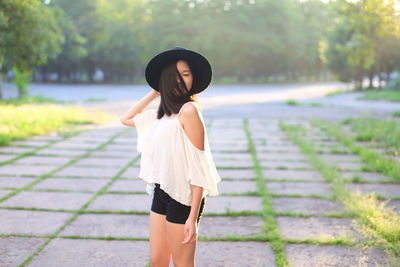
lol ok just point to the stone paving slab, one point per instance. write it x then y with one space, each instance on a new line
121 202
74 184
75 145
280 156
58 152
235 254
88 252
219 204
86 172
103 162
103 225
385 190
30 170
15 249
222 226
132 151
341 158
51 151
234 163
47 200
89 139
124 140
276 142
306 255
114 154
315 227
121 147
241 142
285 164
230 148
31 221
226 187
323 189
4 192
128 185
308 175
237 173
368 176
351 166
288 149
309 206
32 143
14 182
43 160
131 172
15 149
228 133
233 156
5 157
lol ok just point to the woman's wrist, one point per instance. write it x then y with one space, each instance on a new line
154 93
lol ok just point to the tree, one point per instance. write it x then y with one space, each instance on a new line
29 35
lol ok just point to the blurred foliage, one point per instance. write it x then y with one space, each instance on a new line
246 41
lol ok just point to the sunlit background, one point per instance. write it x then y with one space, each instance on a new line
246 41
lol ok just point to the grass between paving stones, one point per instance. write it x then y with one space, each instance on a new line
65 135
81 210
378 224
25 120
375 160
30 185
372 129
271 224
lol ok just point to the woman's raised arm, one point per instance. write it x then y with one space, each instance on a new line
138 107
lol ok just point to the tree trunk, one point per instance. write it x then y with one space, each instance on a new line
371 78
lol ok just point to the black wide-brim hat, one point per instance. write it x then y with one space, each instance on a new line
200 67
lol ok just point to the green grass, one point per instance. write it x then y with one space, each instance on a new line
375 161
21 120
383 131
36 99
391 95
292 102
93 99
271 225
396 114
377 223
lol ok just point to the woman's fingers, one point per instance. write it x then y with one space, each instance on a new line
193 238
188 236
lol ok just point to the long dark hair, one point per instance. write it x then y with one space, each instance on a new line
173 93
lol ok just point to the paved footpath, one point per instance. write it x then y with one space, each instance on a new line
78 201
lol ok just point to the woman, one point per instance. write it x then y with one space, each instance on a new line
176 161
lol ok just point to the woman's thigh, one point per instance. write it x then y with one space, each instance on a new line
182 254
159 245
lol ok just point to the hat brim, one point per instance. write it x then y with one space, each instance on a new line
201 68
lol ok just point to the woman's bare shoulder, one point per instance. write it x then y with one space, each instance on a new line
189 114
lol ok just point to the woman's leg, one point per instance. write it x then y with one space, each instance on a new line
159 247
182 254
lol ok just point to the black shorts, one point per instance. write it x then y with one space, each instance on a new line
176 212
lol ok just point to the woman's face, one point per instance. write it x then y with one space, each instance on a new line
185 72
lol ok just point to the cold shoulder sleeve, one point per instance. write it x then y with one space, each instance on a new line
142 122
198 164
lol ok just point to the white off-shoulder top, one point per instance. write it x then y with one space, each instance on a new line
170 159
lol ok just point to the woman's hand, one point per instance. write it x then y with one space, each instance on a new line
190 231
